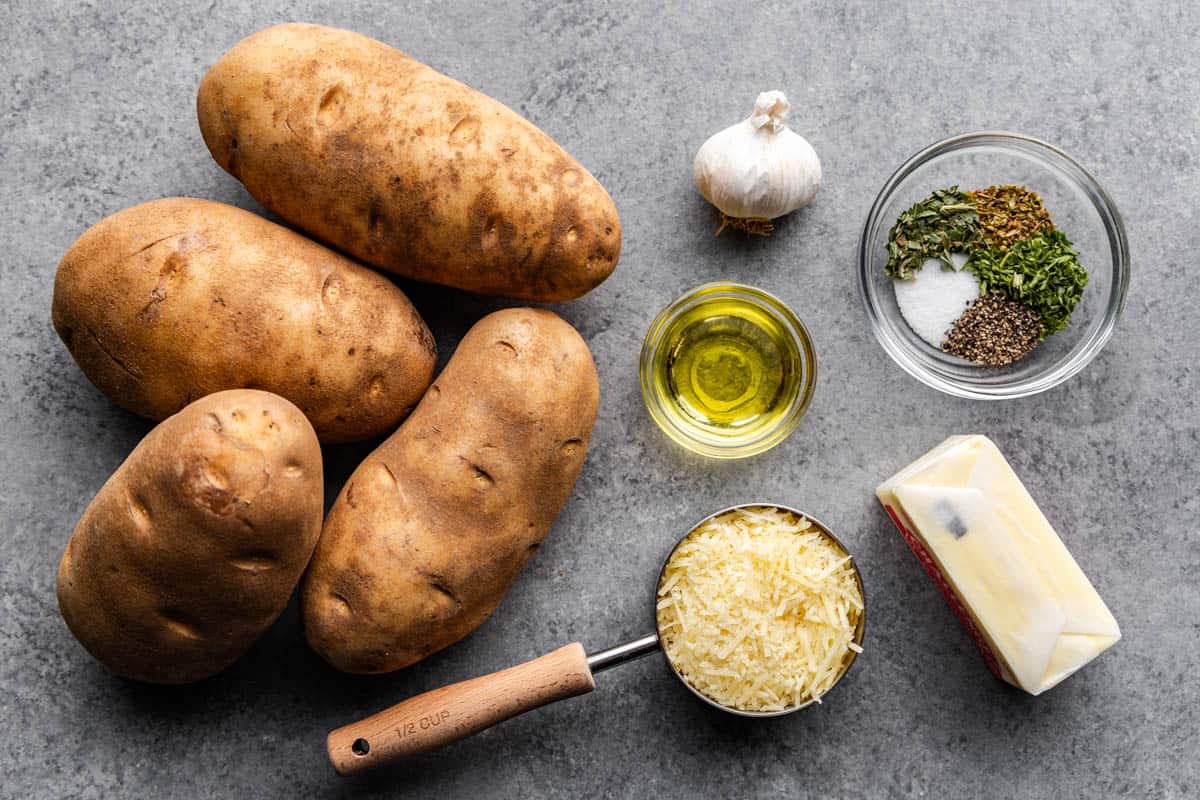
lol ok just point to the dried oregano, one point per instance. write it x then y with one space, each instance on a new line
1008 214
942 224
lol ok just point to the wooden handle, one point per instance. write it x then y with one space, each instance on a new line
439 717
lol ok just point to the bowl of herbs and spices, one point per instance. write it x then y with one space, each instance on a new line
992 265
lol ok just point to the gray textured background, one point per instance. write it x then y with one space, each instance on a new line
98 114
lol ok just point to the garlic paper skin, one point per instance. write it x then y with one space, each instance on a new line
759 168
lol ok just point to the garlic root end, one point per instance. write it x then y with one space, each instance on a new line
755 226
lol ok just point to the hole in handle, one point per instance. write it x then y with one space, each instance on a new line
361 747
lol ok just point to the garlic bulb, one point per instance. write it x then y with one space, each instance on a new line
758 169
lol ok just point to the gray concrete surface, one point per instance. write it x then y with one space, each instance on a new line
97 103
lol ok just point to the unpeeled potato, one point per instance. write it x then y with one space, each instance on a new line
167 301
402 167
192 548
432 528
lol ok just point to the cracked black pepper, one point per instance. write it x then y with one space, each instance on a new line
994 331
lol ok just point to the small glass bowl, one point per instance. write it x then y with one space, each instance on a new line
708 441
1080 208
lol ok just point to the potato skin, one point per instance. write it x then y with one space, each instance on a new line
191 549
433 526
174 299
404 168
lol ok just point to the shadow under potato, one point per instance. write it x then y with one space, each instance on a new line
283 679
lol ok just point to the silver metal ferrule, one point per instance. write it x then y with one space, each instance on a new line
615 656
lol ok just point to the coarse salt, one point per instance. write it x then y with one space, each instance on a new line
936 297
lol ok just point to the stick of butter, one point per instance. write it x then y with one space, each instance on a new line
1001 567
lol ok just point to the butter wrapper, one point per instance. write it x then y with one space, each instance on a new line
999 563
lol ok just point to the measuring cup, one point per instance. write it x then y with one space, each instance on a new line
442 716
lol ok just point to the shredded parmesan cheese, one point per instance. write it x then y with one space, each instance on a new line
757 610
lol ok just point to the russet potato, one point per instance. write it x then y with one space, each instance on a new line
430 530
167 301
192 548
405 168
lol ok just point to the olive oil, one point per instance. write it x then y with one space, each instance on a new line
727 368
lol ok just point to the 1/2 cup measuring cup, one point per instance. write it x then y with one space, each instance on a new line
442 716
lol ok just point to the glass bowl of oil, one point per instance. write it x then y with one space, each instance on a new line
727 370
